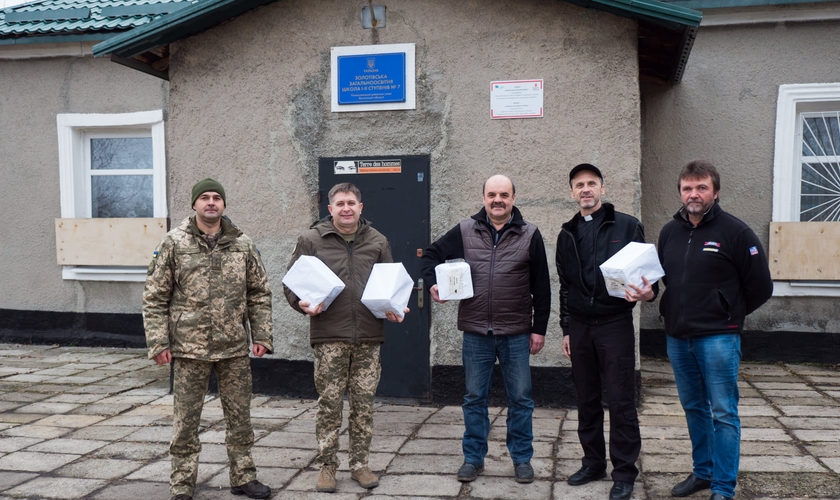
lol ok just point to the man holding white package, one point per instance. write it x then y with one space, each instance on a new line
598 333
345 336
506 318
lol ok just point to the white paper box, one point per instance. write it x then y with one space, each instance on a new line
388 289
454 281
312 281
629 265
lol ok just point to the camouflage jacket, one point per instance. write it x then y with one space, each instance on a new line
347 319
202 303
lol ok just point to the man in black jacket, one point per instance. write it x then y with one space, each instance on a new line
598 333
506 318
716 273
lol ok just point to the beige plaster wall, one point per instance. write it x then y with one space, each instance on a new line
249 105
725 110
32 93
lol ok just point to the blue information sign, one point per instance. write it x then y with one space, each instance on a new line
371 78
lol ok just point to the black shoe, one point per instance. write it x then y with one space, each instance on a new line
468 472
621 491
718 496
585 475
691 485
252 489
182 496
524 472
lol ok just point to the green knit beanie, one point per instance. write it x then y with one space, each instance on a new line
205 185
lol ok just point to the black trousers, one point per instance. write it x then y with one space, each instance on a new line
605 355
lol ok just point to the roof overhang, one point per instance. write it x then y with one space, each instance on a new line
666 34
146 48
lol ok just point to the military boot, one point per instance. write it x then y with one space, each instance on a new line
326 479
365 478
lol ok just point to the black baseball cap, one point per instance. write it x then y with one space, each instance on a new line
585 166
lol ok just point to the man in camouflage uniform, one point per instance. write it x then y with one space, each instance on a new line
345 338
206 290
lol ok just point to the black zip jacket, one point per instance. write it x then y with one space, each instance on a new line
715 274
577 299
451 246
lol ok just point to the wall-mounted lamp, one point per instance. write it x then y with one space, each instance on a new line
373 16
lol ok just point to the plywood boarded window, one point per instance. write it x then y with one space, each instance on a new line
112 167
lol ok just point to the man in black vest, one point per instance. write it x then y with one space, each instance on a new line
598 333
506 319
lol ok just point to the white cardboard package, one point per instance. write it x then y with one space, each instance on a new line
454 280
311 280
629 265
388 289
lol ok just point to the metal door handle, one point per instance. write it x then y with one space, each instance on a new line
420 292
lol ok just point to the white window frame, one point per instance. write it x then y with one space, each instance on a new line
794 100
74 175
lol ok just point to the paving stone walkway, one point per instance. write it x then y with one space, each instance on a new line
93 423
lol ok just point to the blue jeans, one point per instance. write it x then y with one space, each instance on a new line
479 356
706 372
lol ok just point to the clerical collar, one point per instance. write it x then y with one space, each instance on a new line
597 214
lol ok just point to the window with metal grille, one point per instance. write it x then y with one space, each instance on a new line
819 184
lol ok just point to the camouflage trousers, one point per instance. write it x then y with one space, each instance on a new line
341 366
190 382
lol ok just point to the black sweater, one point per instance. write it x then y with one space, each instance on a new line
715 274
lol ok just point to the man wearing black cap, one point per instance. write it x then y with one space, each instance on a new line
206 299
598 333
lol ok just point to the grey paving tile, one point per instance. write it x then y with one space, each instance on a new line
160 470
131 420
74 421
425 464
57 487
132 451
439 431
102 410
101 432
829 449
9 479
666 463
35 462
768 448
132 490
99 468
47 408
20 418
778 463
81 399
817 435
508 489
154 433
24 397
75 446
36 431
9 443
764 435
827 423
811 411
833 463
432 447
788 386
282 457
419 484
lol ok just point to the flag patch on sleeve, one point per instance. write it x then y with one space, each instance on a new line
753 251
